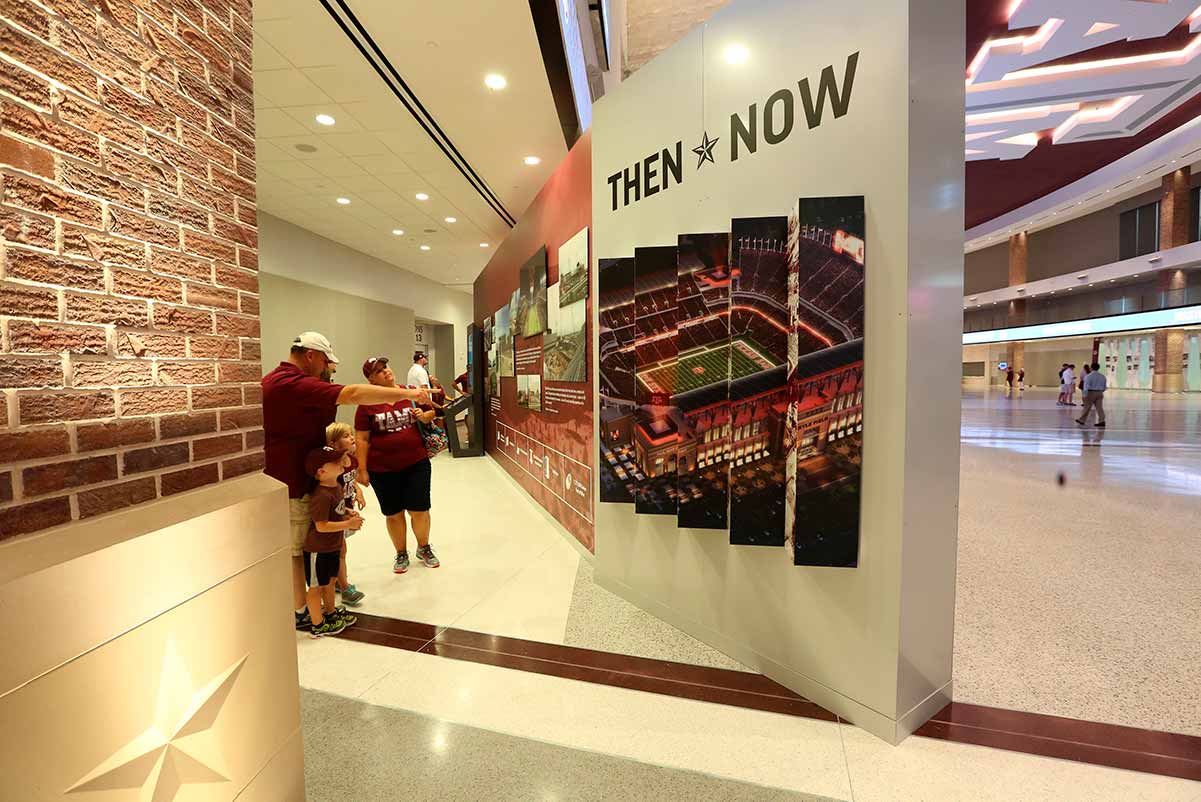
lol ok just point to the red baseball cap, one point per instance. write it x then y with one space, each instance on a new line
373 364
319 457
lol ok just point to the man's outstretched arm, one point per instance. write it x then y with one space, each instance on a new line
373 394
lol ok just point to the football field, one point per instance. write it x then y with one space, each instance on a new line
704 366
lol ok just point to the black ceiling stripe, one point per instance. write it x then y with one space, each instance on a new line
384 68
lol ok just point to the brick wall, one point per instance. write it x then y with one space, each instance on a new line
129 323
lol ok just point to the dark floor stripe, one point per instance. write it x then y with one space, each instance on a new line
1112 745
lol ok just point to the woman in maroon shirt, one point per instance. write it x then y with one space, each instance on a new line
393 460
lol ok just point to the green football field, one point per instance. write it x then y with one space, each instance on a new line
705 366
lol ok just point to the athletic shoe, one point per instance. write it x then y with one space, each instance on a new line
340 614
1101 425
426 555
352 596
402 562
1079 421
332 625
303 621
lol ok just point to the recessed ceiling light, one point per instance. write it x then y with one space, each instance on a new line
398 232
343 201
425 247
483 245
451 219
736 54
495 81
421 196
325 119
532 160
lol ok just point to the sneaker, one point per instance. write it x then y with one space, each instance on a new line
1101 425
303 621
1079 421
352 596
340 614
426 555
402 562
332 625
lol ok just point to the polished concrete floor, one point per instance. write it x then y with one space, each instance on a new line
1077 598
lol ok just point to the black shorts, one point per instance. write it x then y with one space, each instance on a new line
322 565
408 489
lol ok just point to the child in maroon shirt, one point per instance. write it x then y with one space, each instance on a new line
326 538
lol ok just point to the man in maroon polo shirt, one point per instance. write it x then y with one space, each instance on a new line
299 401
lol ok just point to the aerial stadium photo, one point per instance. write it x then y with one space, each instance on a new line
615 315
656 422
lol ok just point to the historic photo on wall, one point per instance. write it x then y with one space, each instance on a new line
529 391
564 349
502 338
619 470
826 292
573 269
531 306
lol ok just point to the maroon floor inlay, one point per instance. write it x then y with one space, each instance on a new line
1148 751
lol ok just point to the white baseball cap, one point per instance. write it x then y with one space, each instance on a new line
315 341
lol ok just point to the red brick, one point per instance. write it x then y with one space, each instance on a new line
250 417
248 259
39 480
209 447
254 439
178 211
213 397
231 137
229 276
249 304
252 349
6 486
50 132
112 373
212 347
47 199
244 118
44 441
202 193
177 156
26 229
29 17
149 114
171 426
26 157
91 117
86 49
144 284
244 80
168 97
88 181
131 343
247 213
252 395
144 170
141 460
135 403
47 61
189 479
82 308
25 518
114 434
207 295
46 268
213 53
181 264
228 372
101 247
237 325
183 318
116 497
186 373
231 182
139 226
208 247
30 373
126 46
173 48
235 232
208 94
20 82
237 466
49 338
241 28
62 406
244 166
17 299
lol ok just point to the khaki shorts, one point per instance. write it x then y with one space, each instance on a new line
300 519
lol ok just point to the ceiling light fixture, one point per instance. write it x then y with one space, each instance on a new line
495 81
421 196
343 201
325 119
532 160
425 247
483 245
451 219
398 232
736 54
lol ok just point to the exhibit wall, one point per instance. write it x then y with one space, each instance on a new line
824 144
538 413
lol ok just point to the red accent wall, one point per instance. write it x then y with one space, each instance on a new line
561 209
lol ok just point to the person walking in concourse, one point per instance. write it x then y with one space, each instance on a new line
1095 385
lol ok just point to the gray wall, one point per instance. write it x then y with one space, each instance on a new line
357 328
445 355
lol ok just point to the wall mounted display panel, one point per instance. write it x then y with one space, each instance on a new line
503 335
656 422
618 468
702 380
530 319
758 379
573 269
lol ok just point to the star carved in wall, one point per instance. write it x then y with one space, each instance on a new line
705 151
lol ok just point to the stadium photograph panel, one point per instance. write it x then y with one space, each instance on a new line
758 379
619 471
573 269
702 380
502 335
564 350
531 303
656 424
827 294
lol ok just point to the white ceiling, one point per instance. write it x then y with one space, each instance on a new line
377 154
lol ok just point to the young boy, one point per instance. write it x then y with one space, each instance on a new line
323 544
340 437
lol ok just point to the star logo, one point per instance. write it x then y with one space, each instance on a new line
174 750
705 151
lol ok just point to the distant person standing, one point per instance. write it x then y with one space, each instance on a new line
418 375
1009 378
1067 386
1061 400
1069 377
1021 379
1095 386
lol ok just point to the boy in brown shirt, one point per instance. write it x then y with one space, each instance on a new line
323 544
